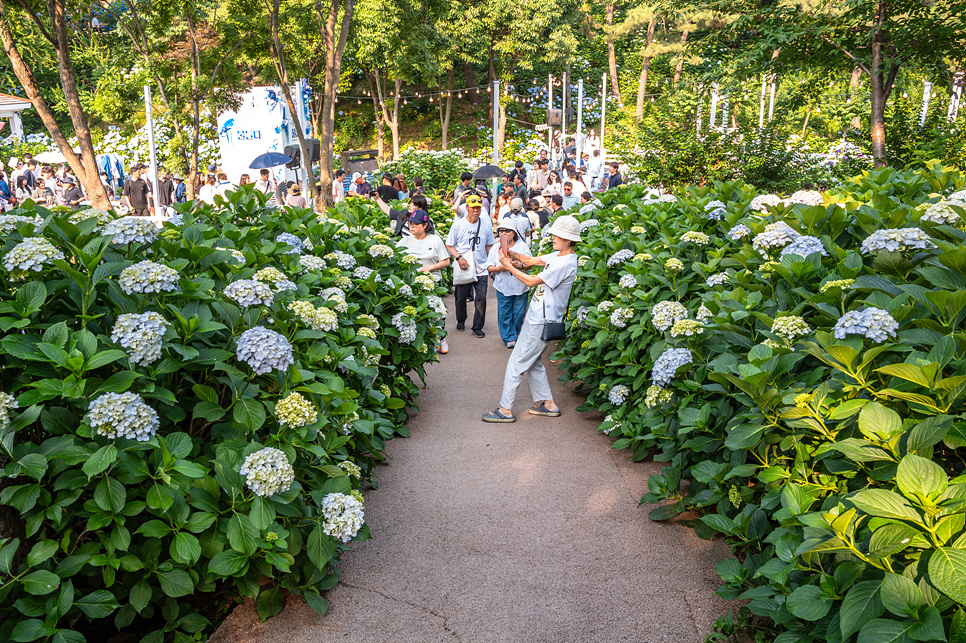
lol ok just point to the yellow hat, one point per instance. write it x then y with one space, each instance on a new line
473 201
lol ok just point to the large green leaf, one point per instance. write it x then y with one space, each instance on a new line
249 413
860 606
879 422
102 459
227 563
947 571
97 604
242 534
320 547
887 504
883 630
175 583
808 602
40 582
920 478
900 595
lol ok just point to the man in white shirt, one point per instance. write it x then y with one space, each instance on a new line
471 237
595 167
223 185
264 183
338 189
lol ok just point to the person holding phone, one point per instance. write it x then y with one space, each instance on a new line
511 293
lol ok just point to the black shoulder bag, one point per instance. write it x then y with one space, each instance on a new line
555 331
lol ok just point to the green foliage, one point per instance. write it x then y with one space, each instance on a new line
834 462
123 529
440 170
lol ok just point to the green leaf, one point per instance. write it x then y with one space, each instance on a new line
920 478
907 372
30 630
947 571
117 383
262 513
957 628
900 595
154 529
40 582
808 602
242 534
97 604
41 552
249 413
859 450
102 459
269 603
227 563
208 411
882 630
103 358
930 626
7 551
320 547
185 548
110 495
316 602
175 583
140 595
32 464
860 606
278 561
878 422
886 504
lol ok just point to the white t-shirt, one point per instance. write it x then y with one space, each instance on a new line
505 282
265 187
338 191
462 235
207 194
223 187
429 250
558 278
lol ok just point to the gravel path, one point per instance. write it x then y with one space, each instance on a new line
525 532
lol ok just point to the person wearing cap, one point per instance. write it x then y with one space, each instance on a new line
511 293
517 219
551 296
427 247
470 236
359 185
295 198
180 189
73 195
460 208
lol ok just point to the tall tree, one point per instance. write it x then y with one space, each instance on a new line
335 31
615 85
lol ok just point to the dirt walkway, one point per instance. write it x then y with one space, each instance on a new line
525 532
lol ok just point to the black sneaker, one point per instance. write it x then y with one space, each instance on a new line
460 326
479 333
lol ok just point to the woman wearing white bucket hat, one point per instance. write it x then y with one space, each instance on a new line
548 305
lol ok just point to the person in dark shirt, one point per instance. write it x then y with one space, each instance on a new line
166 190
73 195
135 194
615 176
417 187
180 190
359 185
518 169
520 186
385 191
543 217
30 174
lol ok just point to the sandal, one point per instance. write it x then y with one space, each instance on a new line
496 416
541 409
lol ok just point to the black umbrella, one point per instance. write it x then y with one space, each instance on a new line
488 172
270 159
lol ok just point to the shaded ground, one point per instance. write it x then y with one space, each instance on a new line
486 533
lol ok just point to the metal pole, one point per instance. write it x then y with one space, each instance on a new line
603 110
580 118
159 213
496 133
549 107
714 105
925 103
564 94
724 112
771 103
761 103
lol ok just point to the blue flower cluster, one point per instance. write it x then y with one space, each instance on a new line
667 365
264 350
873 323
804 246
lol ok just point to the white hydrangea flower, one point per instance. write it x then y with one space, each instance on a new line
762 202
291 240
589 223
666 366
368 320
618 394
806 197
425 282
628 281
380 250
407 258
267 472
873 323
687 328
616 427
7 403
103 218
580 317
667 198
636 229
704 313
275 278
248 292
343 515
295 411
581 260
351 468
311 262
336 295
437 305
237 255
123 414
715 210
341 259
264 350
776 235
148 277
958 196
644 256
897 240
317 318
656 395
129 230
674 264
697 238
740 231
406 327
665 313
405 290
621 316
789 327
941 213
718 279
33 253
140 334
605 306
620 257
10 222
362 273
803 246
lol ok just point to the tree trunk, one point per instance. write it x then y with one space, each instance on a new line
194 182
95 191
853 90
393 121
380 124
615 86
469 76
445 111
333 71
879 94
680 65
645 67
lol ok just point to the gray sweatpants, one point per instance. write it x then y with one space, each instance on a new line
526 360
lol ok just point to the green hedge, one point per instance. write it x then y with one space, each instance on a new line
136 387
830 454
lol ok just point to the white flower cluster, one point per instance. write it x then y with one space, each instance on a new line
621 316
687 328
248 292
311 262
618 394
343 515
294 242
581 260
10 222
803 246
344 282
337 295
406 328
7 402
129 230
740 231
437 305
380 250
317 318
666 366
656 395
789 327
627 281
123 414
605 306
718 279
806 197
267 472
295 411
874 323
362 273
31 254
425 282
674 264
642 256
103 218
264 350
762 202
958 196
368 320
941 213
703 314
147 277
341 259
407 258
140 334
351 468
667 198
897 240
620 257
698 238
275 278
775 235
405 290
237 255
844 284
589 223
580 317
715 210
665 313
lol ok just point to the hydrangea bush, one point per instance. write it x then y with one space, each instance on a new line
812 406
170 425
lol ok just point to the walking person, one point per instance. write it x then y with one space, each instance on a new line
180 189
135 194
548 305
470 240
338 188
511 293
264 182
428 248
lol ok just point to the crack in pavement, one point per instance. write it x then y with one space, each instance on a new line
445 619
694 620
